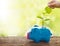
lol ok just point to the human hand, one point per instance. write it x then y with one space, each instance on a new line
54 4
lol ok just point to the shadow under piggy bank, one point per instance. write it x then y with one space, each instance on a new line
38 34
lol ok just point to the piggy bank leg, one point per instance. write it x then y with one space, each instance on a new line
37 40
47 39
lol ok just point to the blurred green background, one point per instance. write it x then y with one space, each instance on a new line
18 16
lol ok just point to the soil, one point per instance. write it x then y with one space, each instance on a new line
21 41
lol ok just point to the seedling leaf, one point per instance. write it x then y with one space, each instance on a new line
48 10
39 17
47 19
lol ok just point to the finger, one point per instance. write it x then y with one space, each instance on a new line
52 4
52 1
52 7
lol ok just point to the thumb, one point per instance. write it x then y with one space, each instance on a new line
52 5
52 1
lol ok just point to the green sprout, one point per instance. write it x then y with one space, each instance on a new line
43 20
48 10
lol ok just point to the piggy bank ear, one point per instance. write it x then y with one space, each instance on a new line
36 26
51 33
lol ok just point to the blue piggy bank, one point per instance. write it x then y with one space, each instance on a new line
38 34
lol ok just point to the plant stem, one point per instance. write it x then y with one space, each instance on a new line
42 22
